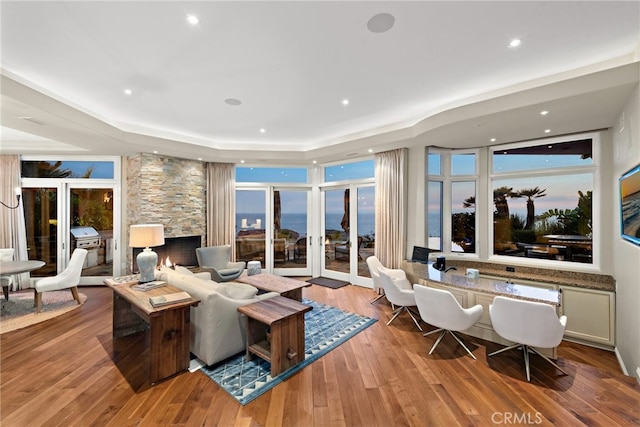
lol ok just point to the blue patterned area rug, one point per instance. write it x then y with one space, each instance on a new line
325 328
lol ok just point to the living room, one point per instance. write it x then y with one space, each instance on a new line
162 179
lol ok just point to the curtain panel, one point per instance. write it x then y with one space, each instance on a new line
221 205
13 232
390 174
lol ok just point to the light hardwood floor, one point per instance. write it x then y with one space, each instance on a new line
70 372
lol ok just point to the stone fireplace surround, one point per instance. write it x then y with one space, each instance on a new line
169 191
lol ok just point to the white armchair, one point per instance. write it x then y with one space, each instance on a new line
399 292
529 324
6 254
375 266
217 261
440 308
68 279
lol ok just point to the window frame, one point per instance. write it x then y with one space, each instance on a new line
446 178
593 169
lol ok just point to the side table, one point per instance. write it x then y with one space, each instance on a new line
285 318
169 326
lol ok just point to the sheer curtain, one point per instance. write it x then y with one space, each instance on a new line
221 205
390 172
13 232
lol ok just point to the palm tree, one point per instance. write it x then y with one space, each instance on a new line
469 202
530 194
500 196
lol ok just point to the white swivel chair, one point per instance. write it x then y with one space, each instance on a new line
529 324
399 293
6 254
217 261
375 266
68 279
440 308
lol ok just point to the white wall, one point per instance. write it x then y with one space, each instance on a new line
416 205
626 256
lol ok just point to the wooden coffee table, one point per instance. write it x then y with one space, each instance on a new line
285 286
169 326
285 319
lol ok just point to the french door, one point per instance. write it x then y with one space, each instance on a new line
272 226
349 231
61 215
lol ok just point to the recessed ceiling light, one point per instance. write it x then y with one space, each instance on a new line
128 91
155 151
492 140
544 112
381 23
345 102
547 130
262 130
193 19
515 43
549 146
241 161
314 162
200 158
371 150
233 101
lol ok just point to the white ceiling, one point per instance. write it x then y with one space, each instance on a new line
442 75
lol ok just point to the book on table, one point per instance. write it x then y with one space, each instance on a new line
131 279
149 285
161 300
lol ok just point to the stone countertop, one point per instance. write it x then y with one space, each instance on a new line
599 282
458 279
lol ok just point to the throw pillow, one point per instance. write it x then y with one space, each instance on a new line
183 270
239 290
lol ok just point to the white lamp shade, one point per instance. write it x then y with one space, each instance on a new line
146 235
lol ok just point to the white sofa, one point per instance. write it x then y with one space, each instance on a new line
217 329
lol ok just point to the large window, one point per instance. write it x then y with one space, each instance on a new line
452 201
536 200
542 200
71 203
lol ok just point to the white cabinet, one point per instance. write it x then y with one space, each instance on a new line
590 315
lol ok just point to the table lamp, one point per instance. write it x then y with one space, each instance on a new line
145 236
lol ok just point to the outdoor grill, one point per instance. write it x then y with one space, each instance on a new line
89 239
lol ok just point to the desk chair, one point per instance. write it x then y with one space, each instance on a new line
440 308
399 293
529 324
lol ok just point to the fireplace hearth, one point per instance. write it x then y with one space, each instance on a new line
180 250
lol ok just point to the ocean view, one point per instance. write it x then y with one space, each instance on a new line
298 222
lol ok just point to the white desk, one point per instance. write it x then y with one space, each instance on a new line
470 292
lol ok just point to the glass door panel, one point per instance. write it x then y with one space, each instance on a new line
349 232
336 230
291 251
366 228
91 228
250 226
41 218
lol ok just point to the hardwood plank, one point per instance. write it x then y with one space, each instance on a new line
70 371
